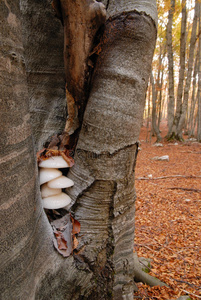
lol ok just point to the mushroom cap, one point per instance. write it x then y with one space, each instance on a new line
46 191
56 201
60 182
54 162
46 174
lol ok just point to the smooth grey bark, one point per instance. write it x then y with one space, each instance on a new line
189 72
160 84
27 254
104 193
160 100
43 44
171 99
106 154
193 97
154 115
116 7
148 112
182 57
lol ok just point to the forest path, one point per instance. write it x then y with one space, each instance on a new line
168 217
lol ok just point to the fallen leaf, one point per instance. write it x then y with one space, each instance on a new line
64 230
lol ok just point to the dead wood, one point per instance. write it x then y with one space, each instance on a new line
185 189
82 20
169 176
198 297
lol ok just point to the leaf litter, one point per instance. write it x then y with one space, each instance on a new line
168 218
65 230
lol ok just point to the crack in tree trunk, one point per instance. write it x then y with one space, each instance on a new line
82 20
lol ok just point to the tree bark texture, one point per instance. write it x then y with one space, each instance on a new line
160 84
173 132
22 235
171 100
154 115
43 45
193 97
104 193
106 153
189 73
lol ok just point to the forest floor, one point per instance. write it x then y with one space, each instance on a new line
168 217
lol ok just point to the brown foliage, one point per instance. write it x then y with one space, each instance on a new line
168 221
65 230
46 153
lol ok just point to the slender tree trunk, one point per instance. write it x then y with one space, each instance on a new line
189 73
148 112
159 85
160 99
171 100
173 133
193 97
154 115
103 194
195 121
199 83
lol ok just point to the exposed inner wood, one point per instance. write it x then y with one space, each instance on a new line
82 20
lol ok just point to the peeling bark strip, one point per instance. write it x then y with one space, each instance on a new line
82 20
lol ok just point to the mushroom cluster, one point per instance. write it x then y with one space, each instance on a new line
52 182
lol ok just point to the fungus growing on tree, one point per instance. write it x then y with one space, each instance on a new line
54 162
46 175
57 201
52 182
60 182
47 192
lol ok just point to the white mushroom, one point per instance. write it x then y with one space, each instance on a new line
60 182
46 191
46 174
56 202
54 162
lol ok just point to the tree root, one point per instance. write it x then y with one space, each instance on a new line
141 276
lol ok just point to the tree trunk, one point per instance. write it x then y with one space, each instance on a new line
43 44
171 101
26 238
154 115
160 86
104 193
189 73
148 111
173 133
199 83
193 97
160 102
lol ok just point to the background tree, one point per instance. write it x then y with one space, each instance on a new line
178 36
193 98
189 73
155 128
171 101
182 57
105 157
